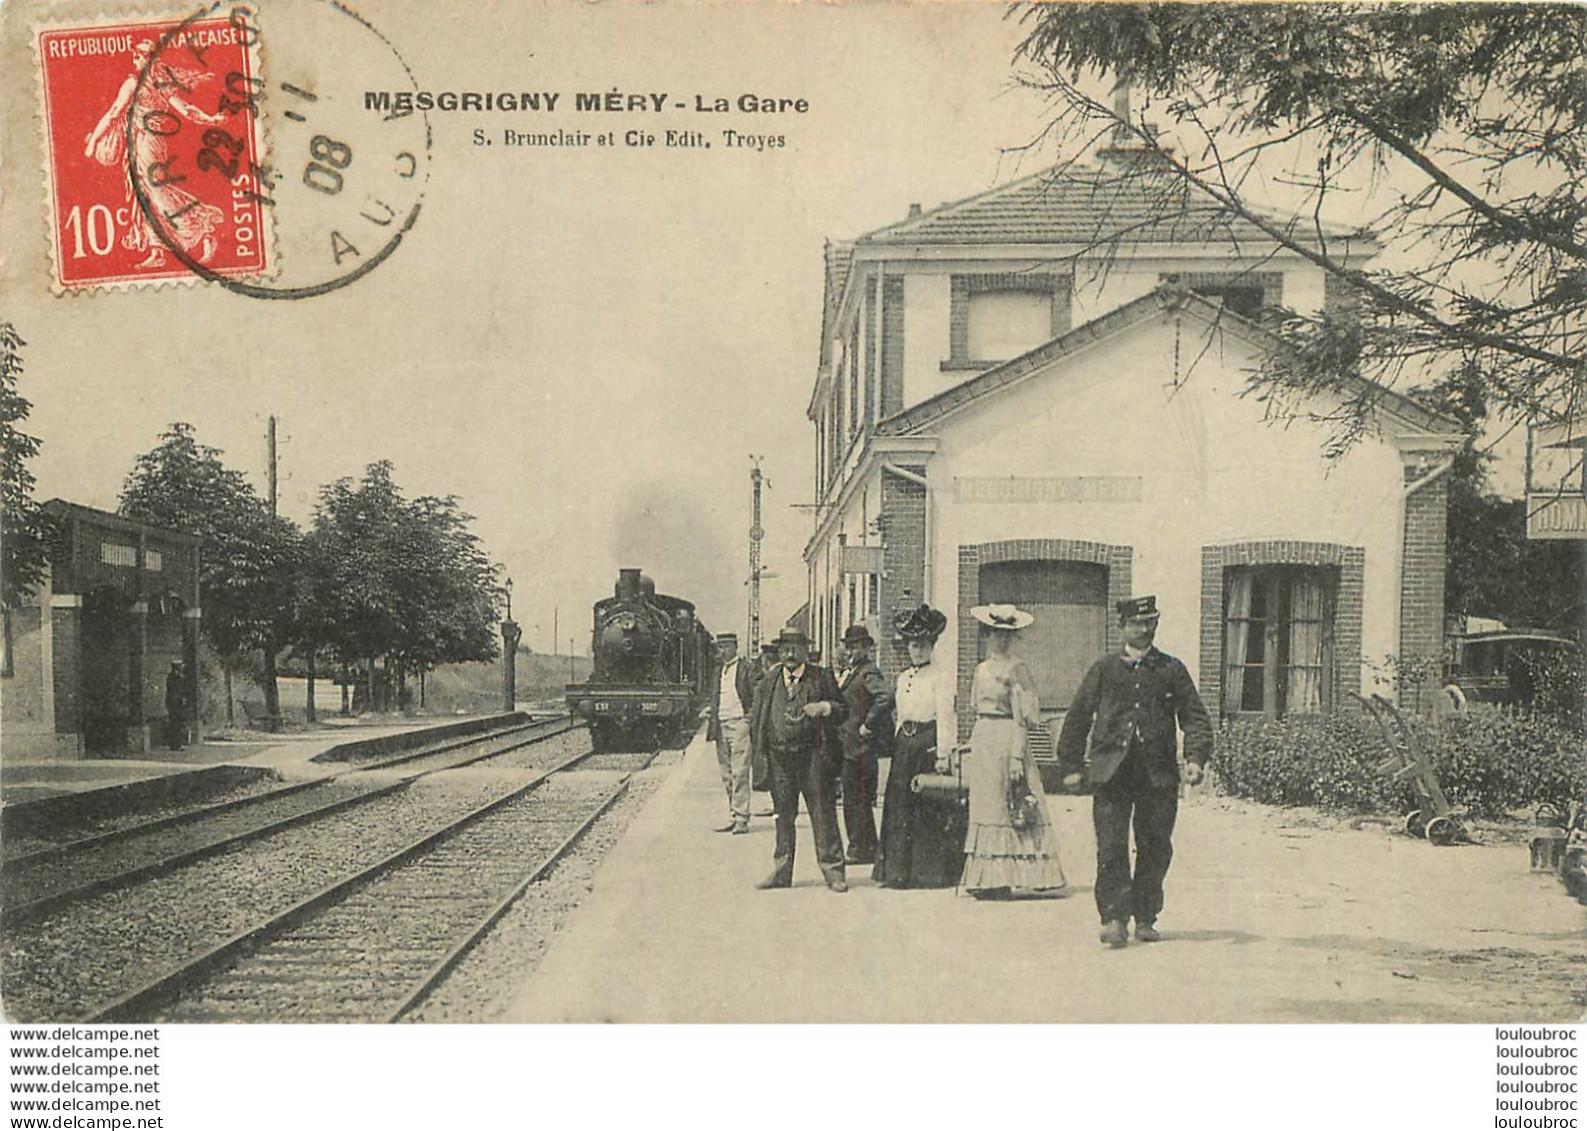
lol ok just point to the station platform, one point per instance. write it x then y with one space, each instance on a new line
289 756
1269 918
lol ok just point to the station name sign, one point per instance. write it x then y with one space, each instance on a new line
1047 489
1550 515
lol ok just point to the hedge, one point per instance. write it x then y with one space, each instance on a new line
1488 762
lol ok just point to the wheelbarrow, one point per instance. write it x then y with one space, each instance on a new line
1408 762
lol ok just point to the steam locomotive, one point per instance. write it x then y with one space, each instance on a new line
651 660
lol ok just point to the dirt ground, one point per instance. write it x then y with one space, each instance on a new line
1272 916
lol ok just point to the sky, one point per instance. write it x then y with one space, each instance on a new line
585 347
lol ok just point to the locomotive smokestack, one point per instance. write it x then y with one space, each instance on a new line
627 584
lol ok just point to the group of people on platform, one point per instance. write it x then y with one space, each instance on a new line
973 816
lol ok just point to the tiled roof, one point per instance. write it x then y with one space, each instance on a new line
839 258
1041 359
1082 205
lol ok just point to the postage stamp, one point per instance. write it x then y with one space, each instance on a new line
235 145
153 152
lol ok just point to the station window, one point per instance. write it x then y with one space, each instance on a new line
1005 324
1278 639
1246 293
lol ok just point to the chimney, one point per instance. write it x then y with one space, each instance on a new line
914 211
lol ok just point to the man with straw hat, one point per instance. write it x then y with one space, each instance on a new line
1138 702
732 696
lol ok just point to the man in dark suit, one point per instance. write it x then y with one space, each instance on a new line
759 768
866 733
1136 700
732 695
176 707
798 709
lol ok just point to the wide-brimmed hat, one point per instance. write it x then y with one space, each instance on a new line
1002 616
857 634
923 623
792 636
1138 608
727 638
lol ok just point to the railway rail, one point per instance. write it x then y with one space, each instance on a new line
69 960
40 882
371 946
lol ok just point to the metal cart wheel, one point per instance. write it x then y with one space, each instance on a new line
1415 823
1445 831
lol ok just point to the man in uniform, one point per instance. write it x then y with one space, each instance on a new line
1136 700
176 707
867 730
797 713
732 696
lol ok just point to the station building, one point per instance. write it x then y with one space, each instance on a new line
85 664
1011 405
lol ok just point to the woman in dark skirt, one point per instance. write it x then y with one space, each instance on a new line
922 841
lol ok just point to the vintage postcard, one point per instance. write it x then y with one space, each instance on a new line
768 512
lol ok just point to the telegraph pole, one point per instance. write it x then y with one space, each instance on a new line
272 691
270 440
756 533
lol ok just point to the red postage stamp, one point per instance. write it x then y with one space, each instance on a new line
153 152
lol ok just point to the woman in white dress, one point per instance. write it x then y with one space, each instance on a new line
1011 846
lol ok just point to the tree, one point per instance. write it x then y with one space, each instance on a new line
401 579
248 558
24 528
1455 131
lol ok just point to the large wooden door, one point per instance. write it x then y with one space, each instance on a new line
1069 601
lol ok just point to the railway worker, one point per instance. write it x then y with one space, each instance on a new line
867 730
1136 699
796 720
175 707
732 696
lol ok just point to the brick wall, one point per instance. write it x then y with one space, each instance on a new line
1422 577
1351 564
1117 559
902 517
66 647
961 287
871 351
892 389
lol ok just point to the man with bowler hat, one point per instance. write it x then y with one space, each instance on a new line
797 714
866 731
1135 700
732 695
759 768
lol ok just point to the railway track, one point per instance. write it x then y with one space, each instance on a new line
71 960
371 946
41 882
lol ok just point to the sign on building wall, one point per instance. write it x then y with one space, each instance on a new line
1047 489
1556 516
1556 489
861 559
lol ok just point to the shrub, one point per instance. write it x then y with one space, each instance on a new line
1488 762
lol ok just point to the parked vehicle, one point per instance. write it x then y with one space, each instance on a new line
1499 666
